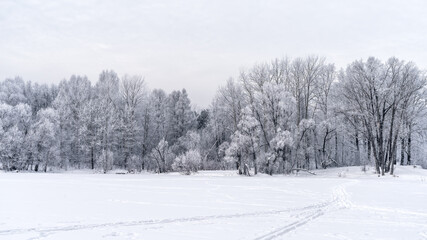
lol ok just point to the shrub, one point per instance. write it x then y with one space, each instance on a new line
187 162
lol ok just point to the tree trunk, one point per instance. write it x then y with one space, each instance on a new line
380 145
306 153
239 164
323 163
92 160
408 161
336 147
393 152
387 158
369 151
390 141
393 160
342 153
402 151
307 160
316 151
255 164
47 161
357 148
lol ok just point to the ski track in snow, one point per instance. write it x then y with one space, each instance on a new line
286 222
44 231
340 200
303 216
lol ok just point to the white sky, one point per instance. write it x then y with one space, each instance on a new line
199 44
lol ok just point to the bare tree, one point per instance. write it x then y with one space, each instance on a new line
131 91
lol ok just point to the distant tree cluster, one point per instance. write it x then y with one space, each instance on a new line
277 117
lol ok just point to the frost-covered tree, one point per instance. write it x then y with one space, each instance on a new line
326 118
235 153
191 140
11 153
15 126
278 116
69 103
89 130
40 96
180 117
379 95
132 90
107 121
12 91
44 139
226 112
147 133
159 103
105 159
245 143
163 156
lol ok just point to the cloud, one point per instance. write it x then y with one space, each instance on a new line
197 45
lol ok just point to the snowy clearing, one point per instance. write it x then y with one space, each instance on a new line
215 205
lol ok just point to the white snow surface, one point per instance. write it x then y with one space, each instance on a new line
340 203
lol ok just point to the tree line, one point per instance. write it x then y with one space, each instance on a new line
273 118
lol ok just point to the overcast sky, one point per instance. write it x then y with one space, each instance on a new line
198 44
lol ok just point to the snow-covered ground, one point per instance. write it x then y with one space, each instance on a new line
342 203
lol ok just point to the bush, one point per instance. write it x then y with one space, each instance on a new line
187 162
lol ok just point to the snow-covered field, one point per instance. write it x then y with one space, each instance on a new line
214 205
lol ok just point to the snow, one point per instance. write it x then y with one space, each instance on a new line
215 205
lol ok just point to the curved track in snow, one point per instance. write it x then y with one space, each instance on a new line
339 200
